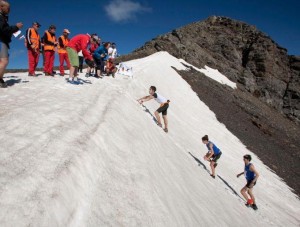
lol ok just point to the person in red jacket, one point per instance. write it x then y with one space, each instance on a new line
50 44
76 44
63 41
33 44
92 49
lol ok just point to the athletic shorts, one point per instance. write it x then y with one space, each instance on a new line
249 182
73 57
215 158
99 64
163 109
3 50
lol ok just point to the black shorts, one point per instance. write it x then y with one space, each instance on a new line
249 182
99 64
163 109
215 158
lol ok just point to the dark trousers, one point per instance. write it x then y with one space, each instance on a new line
80 63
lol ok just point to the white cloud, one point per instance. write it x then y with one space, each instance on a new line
124 10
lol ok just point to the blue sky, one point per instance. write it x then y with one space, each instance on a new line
131 23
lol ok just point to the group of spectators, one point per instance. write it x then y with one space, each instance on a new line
98 55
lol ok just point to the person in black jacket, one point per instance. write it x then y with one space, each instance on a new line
6 32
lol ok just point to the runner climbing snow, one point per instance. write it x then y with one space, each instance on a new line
213 154
164 105
251 176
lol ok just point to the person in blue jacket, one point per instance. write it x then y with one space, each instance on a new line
251 176
99 57
213 154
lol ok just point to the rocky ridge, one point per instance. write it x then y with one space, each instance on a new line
242 53
264 112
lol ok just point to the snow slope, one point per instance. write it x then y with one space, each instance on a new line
89 155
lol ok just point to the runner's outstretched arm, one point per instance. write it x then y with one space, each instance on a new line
145 99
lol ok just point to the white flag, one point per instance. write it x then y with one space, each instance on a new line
16 34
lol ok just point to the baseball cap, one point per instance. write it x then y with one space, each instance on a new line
36 23
66 31
52 27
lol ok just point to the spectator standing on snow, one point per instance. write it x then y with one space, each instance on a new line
33 44
76 44
50 43
251 176
80 57
213 154
99 56
63 41
93 47
6 33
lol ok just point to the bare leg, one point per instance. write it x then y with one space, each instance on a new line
75 71
212 163
157 117
88 70
3 64
251 195
99 74
165 120
244 193
72 72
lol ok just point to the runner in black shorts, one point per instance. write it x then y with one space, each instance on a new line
250 184
164 105
216 157
251 176
213 154
163 109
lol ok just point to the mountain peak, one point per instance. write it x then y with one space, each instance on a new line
242 53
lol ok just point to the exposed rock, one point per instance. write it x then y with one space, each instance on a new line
264 112
242 53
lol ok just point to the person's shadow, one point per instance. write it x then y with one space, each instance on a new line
148 112
199 162
224 181
79 82
12 82
82 81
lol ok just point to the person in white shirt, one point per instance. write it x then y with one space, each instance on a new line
112 51
164 105
80 57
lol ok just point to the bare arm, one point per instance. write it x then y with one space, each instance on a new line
256 174
145 99
240 174
211 151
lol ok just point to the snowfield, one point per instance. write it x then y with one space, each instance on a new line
89 155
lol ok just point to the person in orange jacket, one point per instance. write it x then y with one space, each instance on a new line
33 44
50 43
63 41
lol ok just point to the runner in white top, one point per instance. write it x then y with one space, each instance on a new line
164 105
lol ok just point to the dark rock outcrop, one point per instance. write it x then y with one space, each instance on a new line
264 112
242 53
